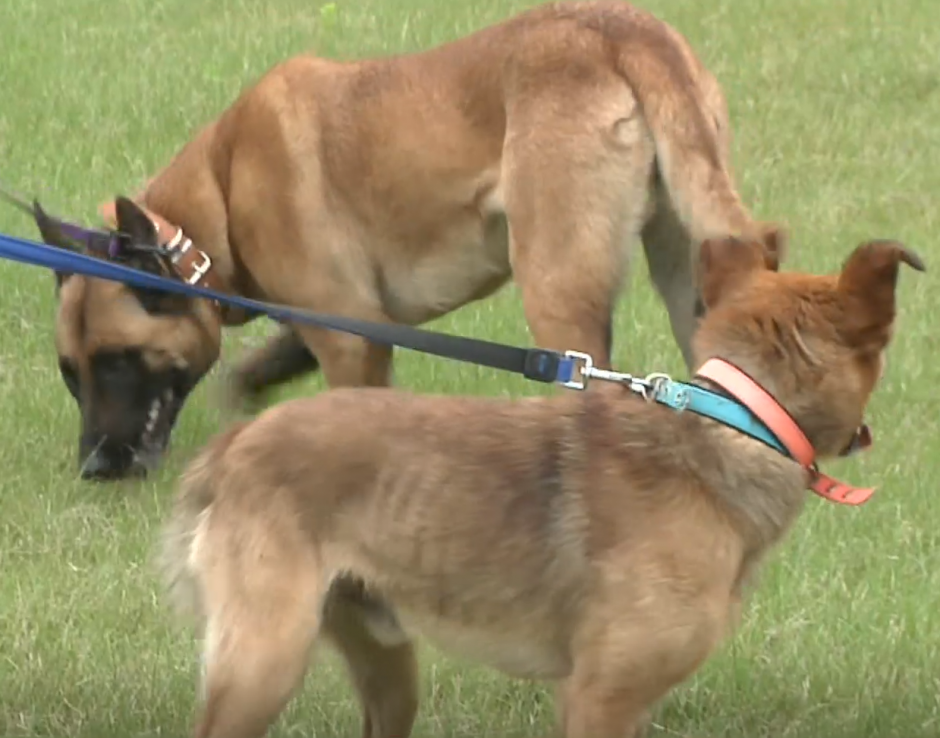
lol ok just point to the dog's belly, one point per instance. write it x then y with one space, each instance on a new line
519 654
468 262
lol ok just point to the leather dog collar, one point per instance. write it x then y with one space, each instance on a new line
191 265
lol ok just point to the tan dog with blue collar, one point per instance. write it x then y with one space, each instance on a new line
595 540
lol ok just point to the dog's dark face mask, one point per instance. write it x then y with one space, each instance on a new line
129 357
128 410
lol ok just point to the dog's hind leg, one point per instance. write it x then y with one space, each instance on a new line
576 198
382 667
600 711
261 621
670 257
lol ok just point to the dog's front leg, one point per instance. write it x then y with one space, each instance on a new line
601 711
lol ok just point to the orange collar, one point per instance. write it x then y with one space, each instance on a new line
762 404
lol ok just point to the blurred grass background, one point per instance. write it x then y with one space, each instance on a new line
834 106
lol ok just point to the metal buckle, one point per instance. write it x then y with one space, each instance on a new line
200 270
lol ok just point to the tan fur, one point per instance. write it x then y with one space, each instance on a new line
402 188
590 539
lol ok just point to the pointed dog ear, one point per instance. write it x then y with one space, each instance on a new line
725 263
52 234
869 280
134 221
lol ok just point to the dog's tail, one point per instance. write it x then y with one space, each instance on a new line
673 96
198 489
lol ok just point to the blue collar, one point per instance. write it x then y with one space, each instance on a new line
684 397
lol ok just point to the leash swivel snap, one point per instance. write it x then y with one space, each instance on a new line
649 387
657 384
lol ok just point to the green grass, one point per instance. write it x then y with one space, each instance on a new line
835 106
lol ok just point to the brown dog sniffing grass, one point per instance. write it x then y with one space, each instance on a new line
543 149
596 540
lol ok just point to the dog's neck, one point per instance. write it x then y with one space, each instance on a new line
186 195
761 489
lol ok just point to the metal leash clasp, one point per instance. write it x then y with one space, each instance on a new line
647 387
584 366
654 384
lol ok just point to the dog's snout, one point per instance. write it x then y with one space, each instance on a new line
107 463
95 467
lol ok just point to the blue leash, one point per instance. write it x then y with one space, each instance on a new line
540 365
571 369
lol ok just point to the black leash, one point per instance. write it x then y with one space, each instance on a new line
569 369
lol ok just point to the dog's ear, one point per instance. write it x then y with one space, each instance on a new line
137 223
868 281
725 263
51 232
132 220
53 235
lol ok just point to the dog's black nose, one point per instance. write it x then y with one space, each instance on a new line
98 467
104 464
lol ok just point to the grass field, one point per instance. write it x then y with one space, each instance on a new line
835 105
